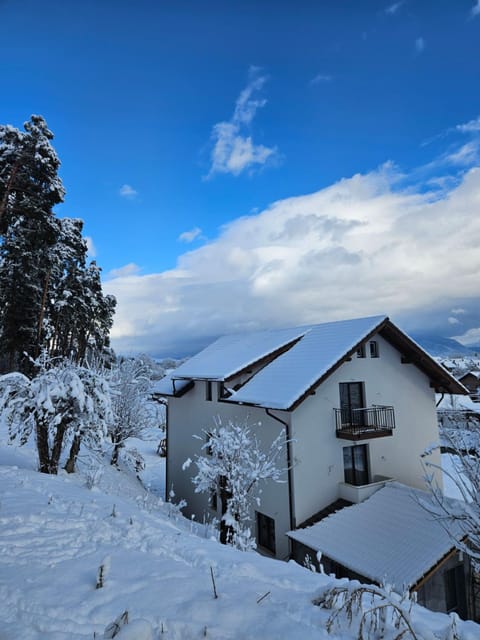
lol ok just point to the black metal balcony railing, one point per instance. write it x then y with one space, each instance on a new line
367 422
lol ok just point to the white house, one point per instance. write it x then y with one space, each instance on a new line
355 400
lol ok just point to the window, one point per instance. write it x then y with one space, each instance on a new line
266 532
455 594
361 351
208 390
355 464
351 400
223 392
374 349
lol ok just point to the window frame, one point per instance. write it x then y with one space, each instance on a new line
373 349
361 351
266 532
354 475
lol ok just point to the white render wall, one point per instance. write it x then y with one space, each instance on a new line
190 416
318 453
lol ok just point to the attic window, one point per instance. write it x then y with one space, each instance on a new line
374 349
361 351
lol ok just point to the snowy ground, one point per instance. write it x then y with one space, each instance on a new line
55 532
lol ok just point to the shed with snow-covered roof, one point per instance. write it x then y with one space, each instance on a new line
355 400
391 538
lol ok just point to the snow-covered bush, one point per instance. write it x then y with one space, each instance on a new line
377 612
234 465
63 402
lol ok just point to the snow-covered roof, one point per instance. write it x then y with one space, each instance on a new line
296 360
168 386
230 354
290 375
474 373
389 537
457 403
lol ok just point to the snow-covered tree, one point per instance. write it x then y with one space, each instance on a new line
49 298
29 189
459 517
234 465
61 403
132 411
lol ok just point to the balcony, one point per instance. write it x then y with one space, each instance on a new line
356 494
365 423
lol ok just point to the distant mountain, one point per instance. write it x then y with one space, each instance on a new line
438 346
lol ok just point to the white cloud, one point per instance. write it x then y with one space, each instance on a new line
458 311
127 191
234 150
321 77
189 236
419 45
476 9
92 251
467 154
470 337
473 126
125 271
358 247
452 320
392 9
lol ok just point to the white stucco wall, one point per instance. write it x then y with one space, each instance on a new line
191 415
318 453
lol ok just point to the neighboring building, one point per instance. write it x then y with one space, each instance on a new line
355 399
396 542
471 381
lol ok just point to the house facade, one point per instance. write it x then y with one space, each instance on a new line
354 399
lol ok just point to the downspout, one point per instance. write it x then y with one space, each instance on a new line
441 398
289 464
166 452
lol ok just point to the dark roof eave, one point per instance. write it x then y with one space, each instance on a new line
442 380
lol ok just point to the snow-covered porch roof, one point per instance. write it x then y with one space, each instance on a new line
390 537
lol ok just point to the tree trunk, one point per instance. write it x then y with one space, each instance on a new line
226 531
72 456
57 447
42 311
41 433
117 445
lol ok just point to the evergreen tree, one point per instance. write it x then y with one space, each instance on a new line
79 315
29 188
50 300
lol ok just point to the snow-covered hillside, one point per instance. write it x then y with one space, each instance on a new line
56 532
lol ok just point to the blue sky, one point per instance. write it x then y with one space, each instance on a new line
249 164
